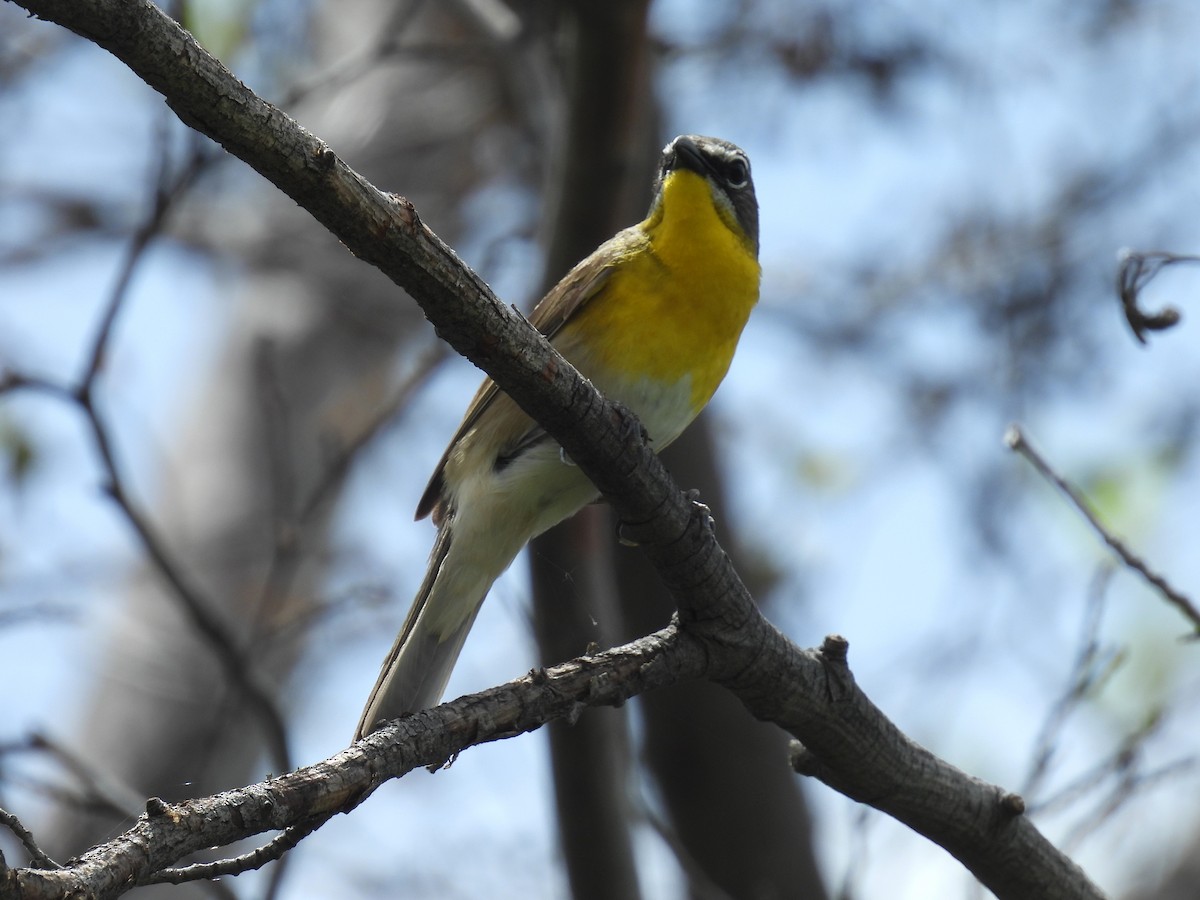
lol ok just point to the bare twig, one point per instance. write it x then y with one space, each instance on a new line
1091 669
95 790
294 518
101 789
199 609
700 884
1119 775
858 858
495 29
429 360
1130 784
169 190
194 603
1015 438
302 800
246 862
345 73
36 855
1135 270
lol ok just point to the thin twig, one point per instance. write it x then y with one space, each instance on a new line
294 519
168 191
1014 437
37 856
195 605
198 608
1089 671
1121 762
101 789
393 49
336 471
1136 269
1131 784
700 884
290 528
246 862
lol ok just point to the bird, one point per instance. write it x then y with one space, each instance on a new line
652 317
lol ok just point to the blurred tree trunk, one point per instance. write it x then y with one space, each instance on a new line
734 803
607 156
310 360
730 796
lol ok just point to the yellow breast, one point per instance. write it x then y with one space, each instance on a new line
673 310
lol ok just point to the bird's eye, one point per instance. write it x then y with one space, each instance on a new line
737 173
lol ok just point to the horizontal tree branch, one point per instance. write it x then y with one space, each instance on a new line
721 634
432 738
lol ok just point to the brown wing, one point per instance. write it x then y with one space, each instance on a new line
576 288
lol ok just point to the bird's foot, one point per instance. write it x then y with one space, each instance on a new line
629 423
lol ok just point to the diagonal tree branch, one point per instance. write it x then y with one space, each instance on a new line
1016 441
847 742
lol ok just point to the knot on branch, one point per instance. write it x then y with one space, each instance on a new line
406 212
323 158
1012 805
835 650
834 654
803 761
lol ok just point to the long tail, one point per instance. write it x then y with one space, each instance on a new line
415 672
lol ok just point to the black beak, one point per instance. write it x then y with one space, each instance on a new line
685 154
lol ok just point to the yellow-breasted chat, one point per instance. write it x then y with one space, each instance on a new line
652 317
